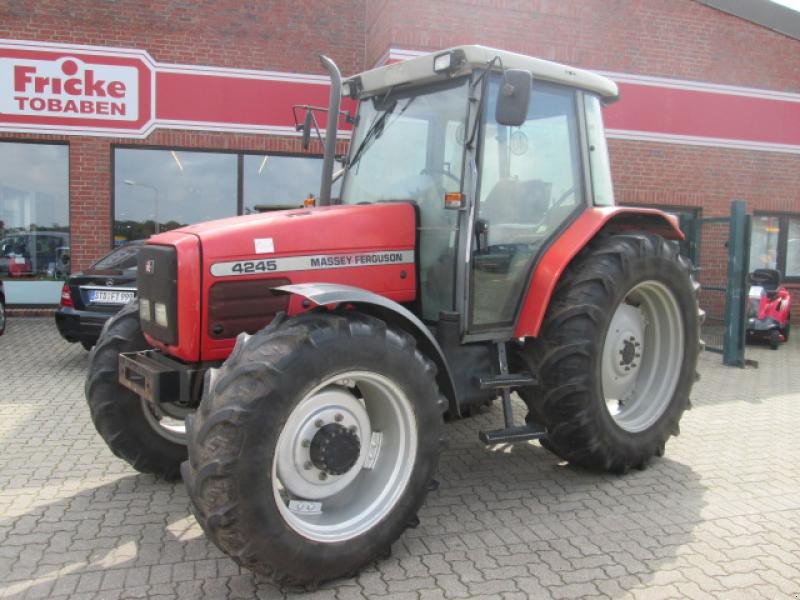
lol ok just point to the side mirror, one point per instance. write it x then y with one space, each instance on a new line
513 97
307 129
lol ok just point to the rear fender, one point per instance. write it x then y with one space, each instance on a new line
591 223
389 311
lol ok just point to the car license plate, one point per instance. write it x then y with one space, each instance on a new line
110 296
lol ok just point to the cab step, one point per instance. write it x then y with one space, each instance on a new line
520 433
504 382
507 380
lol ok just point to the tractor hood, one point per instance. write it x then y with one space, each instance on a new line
231 265
303 231
338 228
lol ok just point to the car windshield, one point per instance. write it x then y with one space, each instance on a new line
409 146
120 259
13 245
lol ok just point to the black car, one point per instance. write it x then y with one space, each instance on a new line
90 298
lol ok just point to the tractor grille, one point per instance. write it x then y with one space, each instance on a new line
157 280
237 306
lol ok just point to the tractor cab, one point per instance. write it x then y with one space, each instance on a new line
497 151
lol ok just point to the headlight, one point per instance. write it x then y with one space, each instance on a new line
144 309
161 314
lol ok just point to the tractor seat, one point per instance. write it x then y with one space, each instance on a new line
769 279
512 201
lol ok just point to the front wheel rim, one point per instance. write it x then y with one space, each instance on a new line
642 356
332 505
169 428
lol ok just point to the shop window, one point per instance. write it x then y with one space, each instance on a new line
775 244
274 182
159 190
34 221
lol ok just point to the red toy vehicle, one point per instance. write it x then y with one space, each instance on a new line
768 316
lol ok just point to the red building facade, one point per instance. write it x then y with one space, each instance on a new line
709 110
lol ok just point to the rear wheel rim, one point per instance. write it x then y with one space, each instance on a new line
642 356
169 428
325 505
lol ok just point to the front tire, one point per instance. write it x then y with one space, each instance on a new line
285 472
617 353
123 419
774 339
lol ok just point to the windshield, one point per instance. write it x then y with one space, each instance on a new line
409 146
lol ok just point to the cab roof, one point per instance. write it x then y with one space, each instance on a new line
420 70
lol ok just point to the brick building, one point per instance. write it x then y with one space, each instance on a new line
709 109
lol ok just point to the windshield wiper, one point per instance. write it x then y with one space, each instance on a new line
376 129
372 133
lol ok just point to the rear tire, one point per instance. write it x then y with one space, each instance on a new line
2 316
617 353
119 414
246 461
788 329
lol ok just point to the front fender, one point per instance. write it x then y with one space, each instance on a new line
328 294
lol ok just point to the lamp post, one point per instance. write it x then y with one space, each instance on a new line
133 183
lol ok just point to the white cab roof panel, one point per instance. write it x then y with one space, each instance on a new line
420 70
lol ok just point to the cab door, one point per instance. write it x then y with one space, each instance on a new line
531 182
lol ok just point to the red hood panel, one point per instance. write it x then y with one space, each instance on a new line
340 228
263 246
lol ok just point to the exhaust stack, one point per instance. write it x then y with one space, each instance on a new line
330 130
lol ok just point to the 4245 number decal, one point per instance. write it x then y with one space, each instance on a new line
253 266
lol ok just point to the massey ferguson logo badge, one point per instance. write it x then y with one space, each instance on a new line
67 87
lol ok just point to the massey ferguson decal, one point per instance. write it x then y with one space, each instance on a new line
312 262
69 88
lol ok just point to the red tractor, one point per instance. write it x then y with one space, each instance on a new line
474 252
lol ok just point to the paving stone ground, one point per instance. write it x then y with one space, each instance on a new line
718 516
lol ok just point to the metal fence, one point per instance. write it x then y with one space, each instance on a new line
719 247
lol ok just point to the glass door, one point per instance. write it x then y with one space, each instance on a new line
530 184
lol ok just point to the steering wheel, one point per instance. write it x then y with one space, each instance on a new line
440 171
